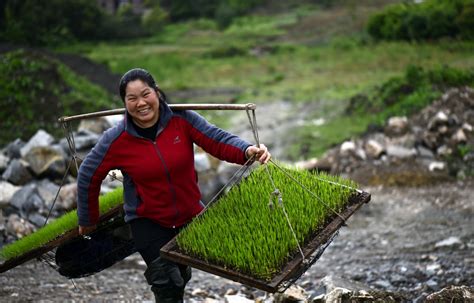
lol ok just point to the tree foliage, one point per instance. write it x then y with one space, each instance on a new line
429 20
37 22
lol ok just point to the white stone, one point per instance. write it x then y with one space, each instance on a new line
7 190
459 136
374 149
467 127
347 146
335 296
237 299
437 166
451 241
400 151
201 162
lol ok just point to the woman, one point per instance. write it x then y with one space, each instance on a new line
153 147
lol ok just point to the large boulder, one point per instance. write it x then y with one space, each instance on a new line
12 150
17 172
41 138
27 200
46 161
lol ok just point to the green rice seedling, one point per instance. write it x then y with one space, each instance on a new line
247 229
58 227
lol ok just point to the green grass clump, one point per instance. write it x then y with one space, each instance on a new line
243 231
58 227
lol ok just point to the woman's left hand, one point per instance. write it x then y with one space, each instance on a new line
261 154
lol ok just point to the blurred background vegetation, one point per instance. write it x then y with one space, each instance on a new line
353 63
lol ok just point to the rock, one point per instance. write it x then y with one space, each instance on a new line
113 180
467 127
37 219
424 152
396 126
46 161
17 172
374 149
432 269
400 152
237 299
4 160
293 294
347 147
85 139
382 284
444 150
437 166
201 162
338 295
96 125
18 227
7 190
459 137
452 294
27 199
451 241
439 119
12 150
67 197
47 190
41 138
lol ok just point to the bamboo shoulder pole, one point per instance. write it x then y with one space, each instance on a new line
119 111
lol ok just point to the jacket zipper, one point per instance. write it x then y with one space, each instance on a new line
168 176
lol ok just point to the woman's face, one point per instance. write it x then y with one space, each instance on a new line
142 103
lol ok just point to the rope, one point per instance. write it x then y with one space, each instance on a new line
276 192
308 190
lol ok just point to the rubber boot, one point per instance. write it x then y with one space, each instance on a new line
167 280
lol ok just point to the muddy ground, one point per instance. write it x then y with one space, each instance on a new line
413 241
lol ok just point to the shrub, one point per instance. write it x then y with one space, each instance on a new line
431 19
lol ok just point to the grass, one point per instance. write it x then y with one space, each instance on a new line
244 232
57 228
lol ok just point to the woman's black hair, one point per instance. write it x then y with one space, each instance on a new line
139 74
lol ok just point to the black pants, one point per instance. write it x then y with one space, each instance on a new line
149 238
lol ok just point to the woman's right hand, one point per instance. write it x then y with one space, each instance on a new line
84 230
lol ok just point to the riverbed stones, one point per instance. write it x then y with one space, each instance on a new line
18 226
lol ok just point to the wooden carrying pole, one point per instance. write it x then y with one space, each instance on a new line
119 111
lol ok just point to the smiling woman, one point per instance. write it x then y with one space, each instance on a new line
154 149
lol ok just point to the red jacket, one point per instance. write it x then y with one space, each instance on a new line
160 181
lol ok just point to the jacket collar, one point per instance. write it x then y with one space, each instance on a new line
165 116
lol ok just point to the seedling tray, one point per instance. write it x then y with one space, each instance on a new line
293 269
109 220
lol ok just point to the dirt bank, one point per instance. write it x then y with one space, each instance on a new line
413 241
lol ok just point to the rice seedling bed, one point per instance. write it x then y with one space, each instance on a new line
58 232
244 238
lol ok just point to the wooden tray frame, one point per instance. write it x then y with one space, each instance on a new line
291 271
